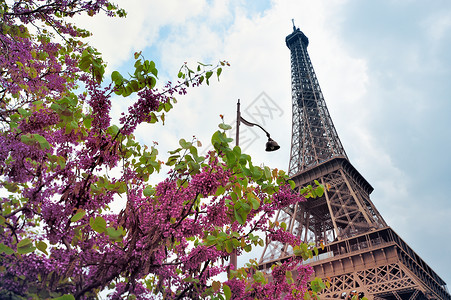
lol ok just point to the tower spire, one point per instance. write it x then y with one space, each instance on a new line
314 138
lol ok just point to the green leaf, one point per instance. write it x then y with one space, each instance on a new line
167 106
153 70
13 125
148 191
238 217
5 249
117 78
227 291
245 170
24 242
243 209
98 224
80 214
185 144
11 187
33 73
87 122
25 246
319 191
68 128
220 190
61 161
267 173
256 173
237 151
73 125
115 234
172 160
42 246
134 85
113 130
127 91
283 225
254 201
23 112
175 151
259 277
229 246
317 285
231 158
215 139
218 72
85 63
153 118
42 141
119 91
211 240
224 126
193 151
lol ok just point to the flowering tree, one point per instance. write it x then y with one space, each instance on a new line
62 163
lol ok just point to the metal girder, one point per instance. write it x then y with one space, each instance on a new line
378 282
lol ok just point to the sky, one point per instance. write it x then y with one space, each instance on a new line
384 68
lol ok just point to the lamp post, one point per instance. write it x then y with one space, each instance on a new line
271 145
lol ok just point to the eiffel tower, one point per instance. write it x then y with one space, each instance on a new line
362 254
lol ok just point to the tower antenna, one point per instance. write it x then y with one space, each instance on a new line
294 27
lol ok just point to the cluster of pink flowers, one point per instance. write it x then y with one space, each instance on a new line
213 176
301 276
57 151
139 112
280 235
278 287
100 103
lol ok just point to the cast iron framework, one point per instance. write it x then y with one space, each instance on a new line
362 254
314 138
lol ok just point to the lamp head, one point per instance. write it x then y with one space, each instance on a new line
272 145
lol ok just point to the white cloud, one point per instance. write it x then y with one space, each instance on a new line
438 25
117 38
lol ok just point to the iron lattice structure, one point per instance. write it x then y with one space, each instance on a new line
361 254
314 138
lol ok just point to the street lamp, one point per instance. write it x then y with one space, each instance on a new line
271 145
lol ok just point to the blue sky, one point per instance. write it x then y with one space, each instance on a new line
383 66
